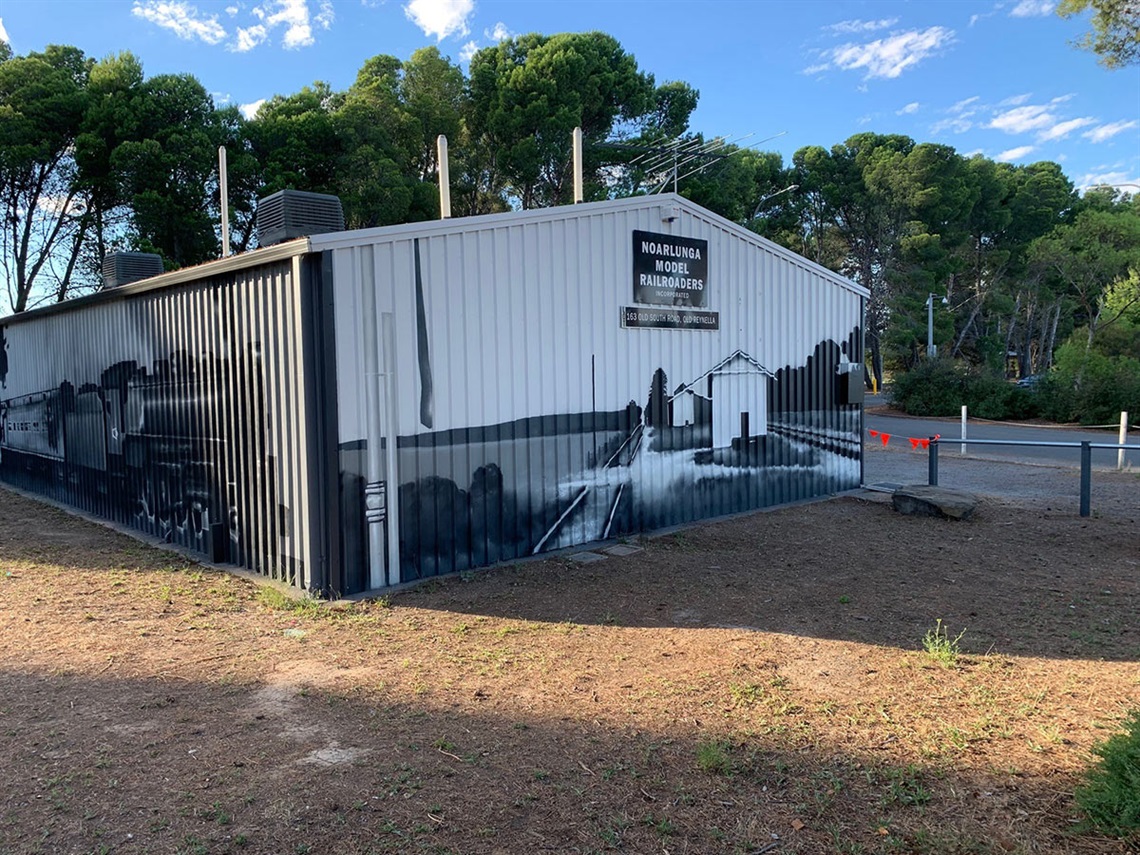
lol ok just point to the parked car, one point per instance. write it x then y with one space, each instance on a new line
1030 382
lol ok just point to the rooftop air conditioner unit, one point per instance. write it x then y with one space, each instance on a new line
289 214
121 268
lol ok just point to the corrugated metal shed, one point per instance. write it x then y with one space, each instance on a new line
360 409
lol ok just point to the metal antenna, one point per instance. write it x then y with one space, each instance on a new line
664 163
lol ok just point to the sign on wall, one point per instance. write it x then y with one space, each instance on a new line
669 270
639 317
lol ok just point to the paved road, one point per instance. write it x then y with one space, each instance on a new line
901 428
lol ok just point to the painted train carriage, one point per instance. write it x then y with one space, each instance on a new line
355 410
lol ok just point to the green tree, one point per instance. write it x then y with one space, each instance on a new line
529 93
115 98
43 101
1115 34
295 139
867 217
1087 256
169 170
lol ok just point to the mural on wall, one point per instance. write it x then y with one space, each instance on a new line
151 444
735 436
558 481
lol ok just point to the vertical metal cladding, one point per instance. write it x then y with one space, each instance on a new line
514 384
179 411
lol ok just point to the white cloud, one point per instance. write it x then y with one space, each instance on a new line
1015 100
499 32
887 58
294 16
957 124
250 110
910 108
441 18
326 16
1019 120
250 37
1128 182
1033 9
468 51
1104 132
1063 129
58 205
959 120
4 33
1040 119
184 20
858 26
1014 153
232 10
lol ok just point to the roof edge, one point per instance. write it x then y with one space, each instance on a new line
218 267
342 240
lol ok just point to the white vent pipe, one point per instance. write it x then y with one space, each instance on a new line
444 179
578 195
224 199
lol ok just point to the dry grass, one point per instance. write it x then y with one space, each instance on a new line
757 685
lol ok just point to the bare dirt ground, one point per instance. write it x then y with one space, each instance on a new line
754 685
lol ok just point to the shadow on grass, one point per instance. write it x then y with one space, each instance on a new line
1017 582
99 764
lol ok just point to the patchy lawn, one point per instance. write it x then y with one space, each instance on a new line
755 685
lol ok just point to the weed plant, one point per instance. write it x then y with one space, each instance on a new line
1110 794
713 757
940 646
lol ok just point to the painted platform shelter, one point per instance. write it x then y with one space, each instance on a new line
353 410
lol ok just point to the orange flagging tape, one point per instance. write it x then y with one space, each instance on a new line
915 442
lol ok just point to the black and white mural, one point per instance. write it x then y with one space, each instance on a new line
683 421
397 403
703 448
117 411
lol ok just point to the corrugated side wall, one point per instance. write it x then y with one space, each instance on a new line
493 403
179 412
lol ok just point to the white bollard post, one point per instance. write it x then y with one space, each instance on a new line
963 428
1123 439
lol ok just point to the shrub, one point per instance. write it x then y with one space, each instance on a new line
1090 387
935 387
1110 795
939 387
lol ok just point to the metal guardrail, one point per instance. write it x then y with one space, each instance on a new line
1085 446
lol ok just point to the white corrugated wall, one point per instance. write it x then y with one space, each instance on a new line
502 402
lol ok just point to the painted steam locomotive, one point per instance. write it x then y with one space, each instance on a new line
152 449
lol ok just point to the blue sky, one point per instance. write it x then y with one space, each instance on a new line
999 78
